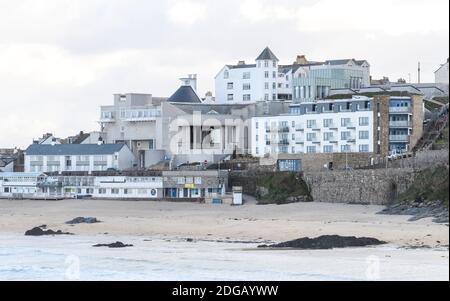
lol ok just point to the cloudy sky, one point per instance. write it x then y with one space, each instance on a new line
61 59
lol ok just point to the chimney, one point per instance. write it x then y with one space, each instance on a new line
241 63
301 60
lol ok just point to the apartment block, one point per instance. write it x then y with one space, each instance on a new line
379 126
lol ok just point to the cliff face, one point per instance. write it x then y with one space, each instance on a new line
282 188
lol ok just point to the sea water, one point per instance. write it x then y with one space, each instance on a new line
74 258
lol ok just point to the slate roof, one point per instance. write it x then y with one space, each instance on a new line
242 66
185 94
73 149
267 54
210 109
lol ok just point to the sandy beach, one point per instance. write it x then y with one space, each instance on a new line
223 244
221 222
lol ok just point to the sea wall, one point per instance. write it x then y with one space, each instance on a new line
374 187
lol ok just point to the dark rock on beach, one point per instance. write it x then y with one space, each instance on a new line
420 209
326 242
115 245
40 231
83 220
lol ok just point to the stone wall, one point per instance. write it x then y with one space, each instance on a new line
374 187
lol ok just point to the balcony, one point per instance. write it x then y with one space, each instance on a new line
299 128
284 129
351 140
405 110
141 116
299 141
332 140
399 138
400 124
283 142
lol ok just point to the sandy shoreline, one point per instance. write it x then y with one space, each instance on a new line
218 222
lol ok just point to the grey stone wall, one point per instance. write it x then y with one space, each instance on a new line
374 187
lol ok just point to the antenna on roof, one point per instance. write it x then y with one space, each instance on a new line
419 74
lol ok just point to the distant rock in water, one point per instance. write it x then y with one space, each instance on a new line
83 220
115 245
39 231
326 242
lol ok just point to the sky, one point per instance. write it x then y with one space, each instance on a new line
60 60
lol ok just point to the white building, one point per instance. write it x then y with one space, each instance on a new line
324 127
77 157
441 75
245 83
379 125
22 185
302 81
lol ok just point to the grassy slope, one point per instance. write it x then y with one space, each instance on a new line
431 184
282 185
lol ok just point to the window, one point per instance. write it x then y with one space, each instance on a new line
311 136
345 121
293 124
327 123
246 86
266 64
363 121
181 181
327 136
274 74
226 74
198 180
364 148
266 86
257 138
246 97
345 148
230 86
266 97
115 191
266 74
257 150
328 149
311 150
274 86
101 191
142 191
230 97
311 124
274 64
345 136
364 135
246 75
257 125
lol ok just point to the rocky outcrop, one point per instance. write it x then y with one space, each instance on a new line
41 231
83 220
115 245
326 242
420 209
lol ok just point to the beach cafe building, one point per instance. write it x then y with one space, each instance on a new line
32 185
201 184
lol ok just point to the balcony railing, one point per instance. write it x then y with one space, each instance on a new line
399 138
299 128
283 142
401 123
400 110
284 129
